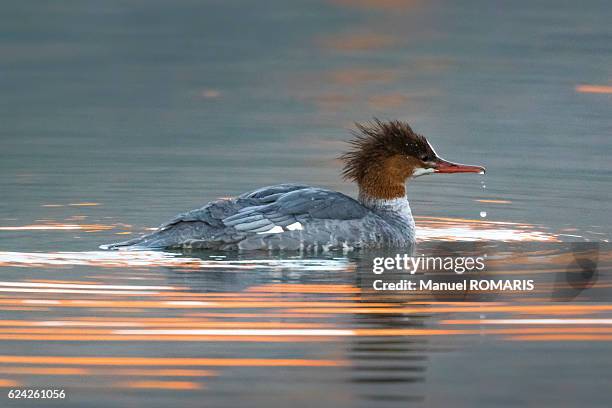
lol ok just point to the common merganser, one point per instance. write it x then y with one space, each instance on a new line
383 156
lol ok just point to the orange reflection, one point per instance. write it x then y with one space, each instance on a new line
387 101
100 326
4 383
44 370
561 337
301 288
597 89
167 361
164 338
546 321
102 371
155 304
210 94
483 308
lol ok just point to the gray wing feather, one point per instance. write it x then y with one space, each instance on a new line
236 220
301 205
271 193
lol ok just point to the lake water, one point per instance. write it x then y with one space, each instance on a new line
117 115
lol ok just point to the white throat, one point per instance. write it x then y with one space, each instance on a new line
398 204
395 210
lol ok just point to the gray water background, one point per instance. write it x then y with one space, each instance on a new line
152 108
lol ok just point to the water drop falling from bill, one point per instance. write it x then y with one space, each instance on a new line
483 214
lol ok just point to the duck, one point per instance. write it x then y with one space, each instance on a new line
382 157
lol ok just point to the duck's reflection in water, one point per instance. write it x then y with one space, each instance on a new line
390 369
238 272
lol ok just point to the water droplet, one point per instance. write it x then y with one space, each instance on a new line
483 214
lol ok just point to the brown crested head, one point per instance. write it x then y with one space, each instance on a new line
384 155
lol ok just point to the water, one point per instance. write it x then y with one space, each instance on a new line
115 116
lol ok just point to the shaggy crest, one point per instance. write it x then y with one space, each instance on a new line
375 141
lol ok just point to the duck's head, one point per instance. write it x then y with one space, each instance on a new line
384 155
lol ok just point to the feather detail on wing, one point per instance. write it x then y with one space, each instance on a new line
288 211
